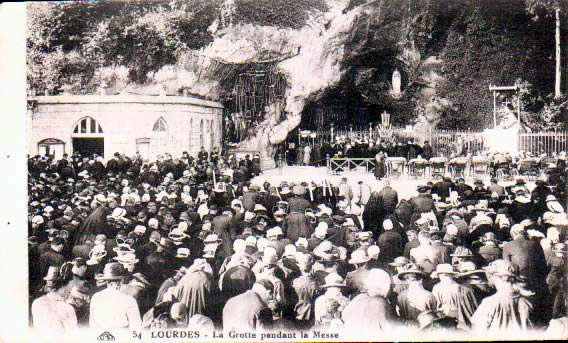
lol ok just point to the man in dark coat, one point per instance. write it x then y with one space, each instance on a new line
423 203
248 311
373 214
221 225
202 155
298 203
527 255
442 188
390 243
427 150
53 257
389 198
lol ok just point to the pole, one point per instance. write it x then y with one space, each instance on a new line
519 107
558 72
494 109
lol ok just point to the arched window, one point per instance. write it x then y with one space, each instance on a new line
160 138
160 125
87 126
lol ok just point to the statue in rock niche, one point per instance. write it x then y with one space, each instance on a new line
396 82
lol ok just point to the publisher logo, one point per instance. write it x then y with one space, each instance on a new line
105 337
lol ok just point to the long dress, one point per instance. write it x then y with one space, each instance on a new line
380 168
307 155
93 225
193 291
502 312
456 301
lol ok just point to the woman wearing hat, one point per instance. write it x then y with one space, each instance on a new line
370 313
454 300
74 274
111 308
51 311
305 289
475 278
414 299
490 251
328 306
355 280
507 310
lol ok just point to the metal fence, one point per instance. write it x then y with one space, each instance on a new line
543 142
446 143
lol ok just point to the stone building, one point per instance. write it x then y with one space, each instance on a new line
104 124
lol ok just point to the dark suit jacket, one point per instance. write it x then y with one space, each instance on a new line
246 312
528 256
390 243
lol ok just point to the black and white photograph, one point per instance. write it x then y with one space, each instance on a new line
289 170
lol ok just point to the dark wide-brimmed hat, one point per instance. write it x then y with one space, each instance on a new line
411 268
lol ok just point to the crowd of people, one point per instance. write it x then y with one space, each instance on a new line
192 243
316 154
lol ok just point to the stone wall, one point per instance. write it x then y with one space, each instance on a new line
125 119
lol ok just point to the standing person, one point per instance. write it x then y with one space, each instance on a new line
299 155
248 311
390 242
194 288
454 300
51 311
370 313
413 299
356 280
305 289
507 309
328 306
525 254
307 154
95 223
380 166
52 257
389 198
110 308
427 150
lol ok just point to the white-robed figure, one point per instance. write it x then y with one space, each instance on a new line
307 155
110 308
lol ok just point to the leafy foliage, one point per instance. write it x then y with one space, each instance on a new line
68 41
278 13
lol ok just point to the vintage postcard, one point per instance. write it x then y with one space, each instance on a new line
284 171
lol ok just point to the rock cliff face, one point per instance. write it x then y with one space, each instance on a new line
309 57
314 58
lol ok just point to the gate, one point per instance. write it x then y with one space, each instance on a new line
339 165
